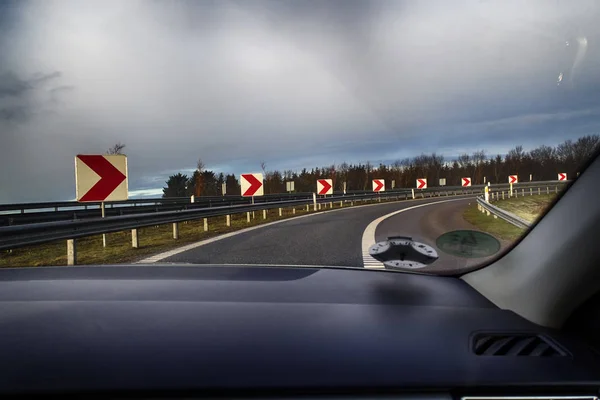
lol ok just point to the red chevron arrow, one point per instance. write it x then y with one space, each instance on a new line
110 177
422 183
466 181
379 184
255 184
326 186
512 179
562 176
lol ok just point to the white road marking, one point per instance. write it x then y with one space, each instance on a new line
368 238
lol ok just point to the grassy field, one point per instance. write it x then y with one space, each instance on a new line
527 207
152 240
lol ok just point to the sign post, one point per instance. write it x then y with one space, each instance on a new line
324 186
104 234
562 176
512 179
378 185
101 178
344 187
252 185
487 194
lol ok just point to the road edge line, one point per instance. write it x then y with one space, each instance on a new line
368 237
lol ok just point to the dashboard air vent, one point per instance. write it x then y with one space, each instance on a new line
515 345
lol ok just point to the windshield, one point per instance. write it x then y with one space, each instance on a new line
408 135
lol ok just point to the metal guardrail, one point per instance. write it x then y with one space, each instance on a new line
505 215
27 213
12 237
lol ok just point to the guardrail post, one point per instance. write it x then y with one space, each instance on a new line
555 189
135 240
228 219
71 252
294 210
175 230
280 212
413 193
503 195
531 191
331 204
319 206
248 217
341 204
522 192
307 208
205 224
547 190
264 214
539 191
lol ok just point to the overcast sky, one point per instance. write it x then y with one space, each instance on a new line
294 83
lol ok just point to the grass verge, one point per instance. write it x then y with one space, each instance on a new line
526 207
494 226
152 240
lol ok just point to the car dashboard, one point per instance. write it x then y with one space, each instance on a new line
195 331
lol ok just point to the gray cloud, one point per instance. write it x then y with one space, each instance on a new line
295 83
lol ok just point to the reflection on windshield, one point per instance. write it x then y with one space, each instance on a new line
201 132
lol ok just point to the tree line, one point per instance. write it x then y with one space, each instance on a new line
541 163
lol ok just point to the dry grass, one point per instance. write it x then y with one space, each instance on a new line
494 226
527 207
152 240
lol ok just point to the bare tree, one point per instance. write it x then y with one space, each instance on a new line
117 148
200 165
199 188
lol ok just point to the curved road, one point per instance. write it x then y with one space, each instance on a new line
334 238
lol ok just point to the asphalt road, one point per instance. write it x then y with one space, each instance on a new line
426 224
330 238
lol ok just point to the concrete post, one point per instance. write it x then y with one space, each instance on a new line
531 191
264 214
248 217
547 190
205 224
331 204
539 191
294 210
341 204
523 192
228 220
71 252
319 206
135 240
307 208
280 211
104 234
175 230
